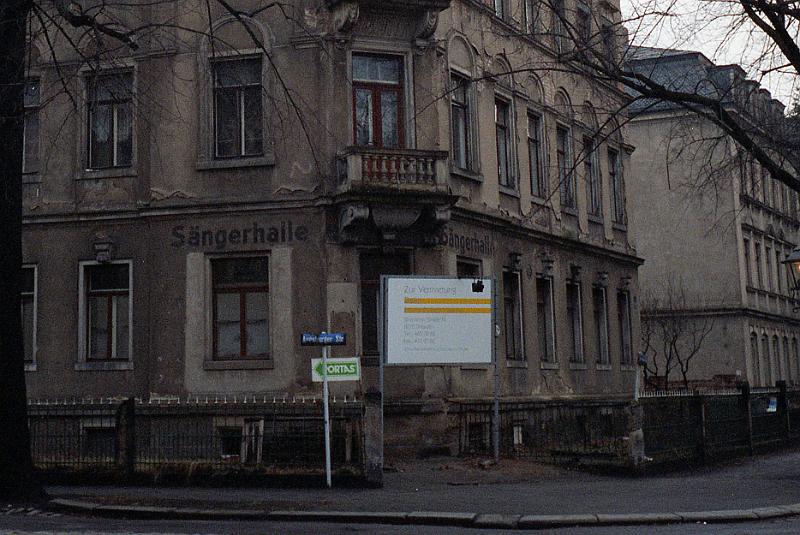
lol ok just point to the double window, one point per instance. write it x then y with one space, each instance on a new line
512 313
240 307
28 313
538 184
566 178
107 311
545 319
30 147
503 138
238 111
460 116
502 9
378 101
110 116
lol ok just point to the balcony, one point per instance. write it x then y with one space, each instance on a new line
399 171
411 5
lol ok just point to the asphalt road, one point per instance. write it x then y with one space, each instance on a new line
65 525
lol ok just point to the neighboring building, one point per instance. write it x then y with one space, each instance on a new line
183 225
713 226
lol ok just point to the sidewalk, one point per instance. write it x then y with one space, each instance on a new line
459 492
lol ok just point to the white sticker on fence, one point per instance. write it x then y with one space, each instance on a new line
438 321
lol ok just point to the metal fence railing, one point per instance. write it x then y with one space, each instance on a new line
247 433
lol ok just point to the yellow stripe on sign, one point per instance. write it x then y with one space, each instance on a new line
445 301
448 310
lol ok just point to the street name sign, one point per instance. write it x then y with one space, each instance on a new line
339 369
323 339
438 321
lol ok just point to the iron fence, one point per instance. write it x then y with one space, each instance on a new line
546 430
245 433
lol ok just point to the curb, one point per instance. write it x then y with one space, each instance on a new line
427 518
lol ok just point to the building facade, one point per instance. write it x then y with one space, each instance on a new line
193 206
718 271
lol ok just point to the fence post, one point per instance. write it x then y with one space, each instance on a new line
703 431
744 386
373 438
126 437
783 407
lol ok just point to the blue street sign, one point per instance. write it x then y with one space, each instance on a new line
323 339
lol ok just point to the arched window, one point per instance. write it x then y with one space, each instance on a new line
463 123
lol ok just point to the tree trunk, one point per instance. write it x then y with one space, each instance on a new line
17 480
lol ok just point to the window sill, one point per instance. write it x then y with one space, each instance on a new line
539 201
235 163
114 172
595 219
620 226
509 191
627 367
31 178
30 366
570 211
603 367
223 365
110 366
516 363
548 365
578 366
466 174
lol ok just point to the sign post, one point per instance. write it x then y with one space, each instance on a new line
325 340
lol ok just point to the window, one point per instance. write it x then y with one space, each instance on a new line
592 179
776 354
617 190
601 323
467 268
566 178
512 315
373 264
110 129
575 320
378 101
766 373
609 44
559 25
768 255
532 17
108 311
502 121
538 185
583 24
624 320
795 362
30 147
240 307
501 9
778 279
747 268
759 274
28 312
787 375
545 326
754 359
460 116
238 112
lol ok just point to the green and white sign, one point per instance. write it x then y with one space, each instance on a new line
341 369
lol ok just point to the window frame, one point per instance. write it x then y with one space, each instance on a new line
518 317
550 359
617 184
748 268
565 167
512 184
242 289
31 365
84 363
240 99
404 125
89 78
540 191
558 26
470 126
603 357
574 300
625 324
594 184
533 24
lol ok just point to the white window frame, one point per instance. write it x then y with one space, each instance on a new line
32 365
114 156
83 364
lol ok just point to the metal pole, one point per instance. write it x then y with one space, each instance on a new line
325 350
496 408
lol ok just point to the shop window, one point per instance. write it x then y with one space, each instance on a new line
512 315
575 320
238 110
373 264
545 314
378 105
240 307
110 118
107 311
28 313
30 146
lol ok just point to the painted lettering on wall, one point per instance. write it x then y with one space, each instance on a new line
221 238
464 243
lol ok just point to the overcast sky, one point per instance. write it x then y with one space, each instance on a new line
710 27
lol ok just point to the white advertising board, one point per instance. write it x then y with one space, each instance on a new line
438 321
